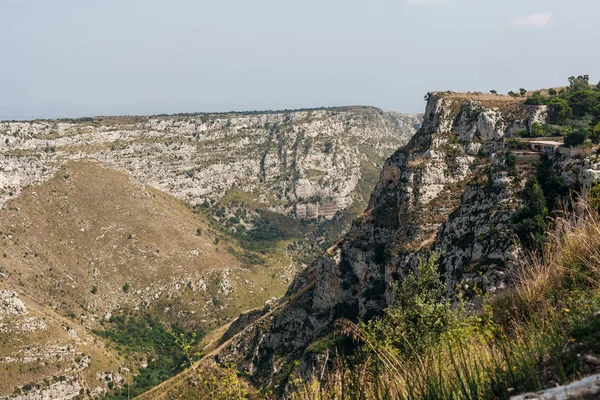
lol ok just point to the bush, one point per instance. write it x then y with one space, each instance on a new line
537 99
596 133
530 221
147 337
594 198
537 130
126 287
420 313
560 110
576 138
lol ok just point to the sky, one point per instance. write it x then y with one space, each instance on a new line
72 58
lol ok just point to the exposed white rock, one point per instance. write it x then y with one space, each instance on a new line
65 390
10 304
310 160
584 389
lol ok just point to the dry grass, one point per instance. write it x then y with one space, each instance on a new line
506 355
94 227
573 252
415 162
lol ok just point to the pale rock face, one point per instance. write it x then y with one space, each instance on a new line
311 161
10 304
584 389
448 191
57 391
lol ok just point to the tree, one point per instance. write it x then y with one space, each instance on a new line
596 133
579 83
537 130
494 92
552 92
536 99
530 224
560 110
512 94
522 91
421 312
583 101
596 111
577 137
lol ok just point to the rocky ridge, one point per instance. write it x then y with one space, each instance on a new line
303 163
453 189
85 235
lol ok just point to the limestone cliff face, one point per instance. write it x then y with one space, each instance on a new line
86 235
306 164
451 189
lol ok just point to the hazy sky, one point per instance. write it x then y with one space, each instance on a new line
96 57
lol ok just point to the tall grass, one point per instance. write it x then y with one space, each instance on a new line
523 339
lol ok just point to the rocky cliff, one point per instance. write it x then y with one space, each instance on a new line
453 189
304 163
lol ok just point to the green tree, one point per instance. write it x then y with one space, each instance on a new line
536 99
596 133
537 130
420 314
583 101
577 137
530 221
493 91
578 83
522 91
560 110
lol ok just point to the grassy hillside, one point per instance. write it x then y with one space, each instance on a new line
92 244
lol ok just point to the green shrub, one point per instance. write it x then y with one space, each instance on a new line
126 287
537 130
420 313
576 138
594 198
530 221
147 337
537 99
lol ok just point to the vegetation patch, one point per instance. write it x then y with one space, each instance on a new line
146 340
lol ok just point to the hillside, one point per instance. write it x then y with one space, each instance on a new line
78 253
113 225
458 196
316 167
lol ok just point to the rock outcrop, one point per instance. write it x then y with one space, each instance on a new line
453 190
584 389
